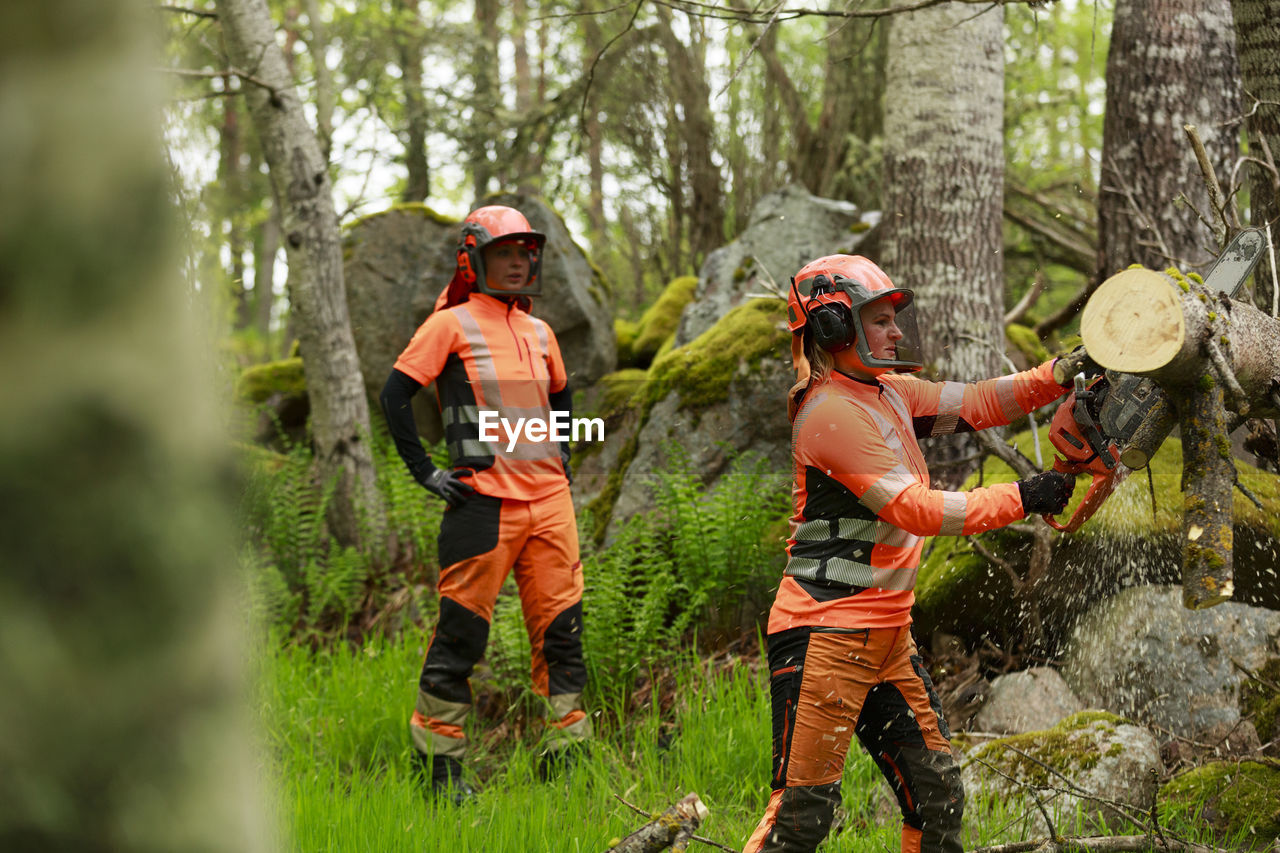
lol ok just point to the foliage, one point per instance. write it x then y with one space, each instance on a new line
1236 798
300 580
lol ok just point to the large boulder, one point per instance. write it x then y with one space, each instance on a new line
1144 655
1081 766
722 395
396 263
1027 701
788 228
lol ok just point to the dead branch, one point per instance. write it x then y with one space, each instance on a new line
1028 300
1075 253
1100 844
671 829
185 10
1220 226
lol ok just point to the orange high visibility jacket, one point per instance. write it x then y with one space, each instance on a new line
862 497
489 356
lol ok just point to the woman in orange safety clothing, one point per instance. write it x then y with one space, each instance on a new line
842 660
509 502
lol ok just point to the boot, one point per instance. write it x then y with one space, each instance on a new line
442 775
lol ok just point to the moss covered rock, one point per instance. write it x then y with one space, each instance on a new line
624 331
260 383
1239 799
659 322
1088 760
1260 700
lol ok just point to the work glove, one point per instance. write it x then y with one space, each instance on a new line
1047 493
447 483
1078 360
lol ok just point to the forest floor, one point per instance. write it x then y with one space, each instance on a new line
339 771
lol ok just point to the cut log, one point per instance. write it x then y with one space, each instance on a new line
672 829
1152 324
1211 356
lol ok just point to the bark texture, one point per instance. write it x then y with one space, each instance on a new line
1172 63
409 36
673 829
1257 26
339 408
1208 475
122 686
943 190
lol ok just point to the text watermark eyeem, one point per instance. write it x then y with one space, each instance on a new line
559 426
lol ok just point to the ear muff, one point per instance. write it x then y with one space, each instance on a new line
832 325
466 252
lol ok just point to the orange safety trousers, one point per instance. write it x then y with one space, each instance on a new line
828 685
481 542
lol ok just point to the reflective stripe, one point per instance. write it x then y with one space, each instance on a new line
888 487
482 357
813 531
953 510
1006 386
859 529
894 537
540 329
949 404
840 570
899 579
852 573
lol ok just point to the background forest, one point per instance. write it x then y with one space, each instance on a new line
1012 154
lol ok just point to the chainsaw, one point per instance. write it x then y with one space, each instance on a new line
1113 422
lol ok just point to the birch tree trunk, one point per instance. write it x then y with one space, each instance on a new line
408 39
1172 63
1257 27
122 697
943 192
339 408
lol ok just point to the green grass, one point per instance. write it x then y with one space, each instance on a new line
335 729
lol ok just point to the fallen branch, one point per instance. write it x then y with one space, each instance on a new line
671 829
1099 844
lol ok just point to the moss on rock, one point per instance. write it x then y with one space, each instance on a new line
1037 758
625 331
418 208
1236 798
660 320
702 370
1027 342
1261 701
260 382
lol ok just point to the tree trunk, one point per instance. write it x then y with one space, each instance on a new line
339 408
326 100
696 130
1210 355
484 75
122 703
266 245
231 191
594 42
408 38
1257 27
1172 63
943 188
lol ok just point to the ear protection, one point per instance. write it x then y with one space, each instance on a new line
466 251
831 322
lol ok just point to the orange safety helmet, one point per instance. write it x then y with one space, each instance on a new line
826 296
496 223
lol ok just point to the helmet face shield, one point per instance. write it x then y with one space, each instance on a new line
891 342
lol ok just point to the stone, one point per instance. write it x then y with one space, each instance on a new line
1082 764
1037 698
1142 654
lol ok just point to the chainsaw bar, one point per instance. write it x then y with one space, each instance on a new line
1230 271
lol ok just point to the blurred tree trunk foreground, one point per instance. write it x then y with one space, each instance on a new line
121 706
300 175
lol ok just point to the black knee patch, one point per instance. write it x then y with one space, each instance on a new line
804 818
458 644
917 664
469 530
562 648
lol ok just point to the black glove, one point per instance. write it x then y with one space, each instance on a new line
1047 493
1078 360
447 483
